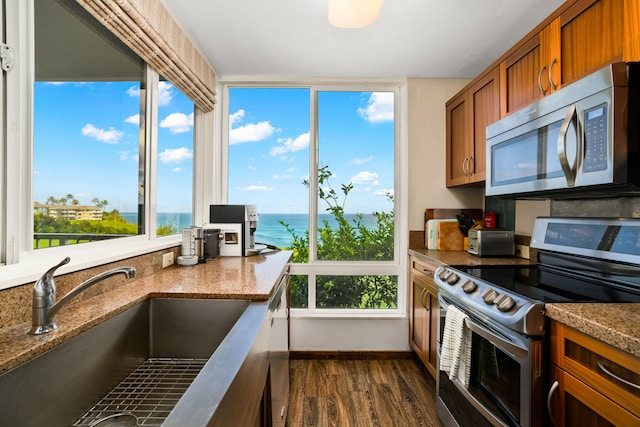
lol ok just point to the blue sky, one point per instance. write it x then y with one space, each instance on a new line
269 147
86 144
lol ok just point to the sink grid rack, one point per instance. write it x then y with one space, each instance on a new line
150 392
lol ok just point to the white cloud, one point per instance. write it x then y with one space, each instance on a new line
383 192
235 117
109 136
290 145
175 155
252 168
285 176
365 178
251 132
124 155
176 170
177 123
133 91
379 108
362 161
256 188
134 120
165 93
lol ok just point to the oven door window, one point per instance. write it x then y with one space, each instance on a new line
495 384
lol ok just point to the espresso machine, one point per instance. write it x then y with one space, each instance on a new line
237 224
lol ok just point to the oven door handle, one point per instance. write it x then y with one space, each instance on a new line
479 406
502 344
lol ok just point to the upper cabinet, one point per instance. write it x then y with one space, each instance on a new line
584 37
577 39
468 114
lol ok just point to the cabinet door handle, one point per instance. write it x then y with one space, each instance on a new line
427 272
464 166
542 90
469 166
553 85
614 376
423 299
552 390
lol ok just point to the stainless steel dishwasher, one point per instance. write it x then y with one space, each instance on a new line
279 353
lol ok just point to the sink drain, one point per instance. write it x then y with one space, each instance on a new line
117 420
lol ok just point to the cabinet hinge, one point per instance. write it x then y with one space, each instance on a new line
7 57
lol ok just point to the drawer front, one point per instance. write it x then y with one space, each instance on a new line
423 267
612 372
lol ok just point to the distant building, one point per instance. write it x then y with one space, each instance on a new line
70 212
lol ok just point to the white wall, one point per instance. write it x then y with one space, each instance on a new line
427 151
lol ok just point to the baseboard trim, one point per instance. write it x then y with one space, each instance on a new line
355 355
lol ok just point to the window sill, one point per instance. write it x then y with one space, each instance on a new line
34 263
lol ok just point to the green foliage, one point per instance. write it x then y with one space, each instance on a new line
166 230
348 241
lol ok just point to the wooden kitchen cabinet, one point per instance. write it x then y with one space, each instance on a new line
423 314
582 393
468 115
585 36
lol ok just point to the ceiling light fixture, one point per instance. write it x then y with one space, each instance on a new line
353 13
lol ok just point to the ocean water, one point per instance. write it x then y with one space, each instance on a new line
269 230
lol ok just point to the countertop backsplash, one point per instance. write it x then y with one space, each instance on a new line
15 303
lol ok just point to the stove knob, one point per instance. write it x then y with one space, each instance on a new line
453 279
443 275
504 303
469 286
489 296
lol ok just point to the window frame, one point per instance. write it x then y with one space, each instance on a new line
19 262
315 267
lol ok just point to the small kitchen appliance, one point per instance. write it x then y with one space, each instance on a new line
503 310
211 241
581 141
483 242
192 246
237 224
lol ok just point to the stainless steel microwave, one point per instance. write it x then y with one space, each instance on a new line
581 141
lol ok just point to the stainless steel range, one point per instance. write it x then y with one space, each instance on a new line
492 342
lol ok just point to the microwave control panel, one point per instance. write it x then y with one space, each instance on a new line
595 134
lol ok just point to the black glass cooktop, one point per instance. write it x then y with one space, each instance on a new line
553 284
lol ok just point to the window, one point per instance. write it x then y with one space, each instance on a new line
88 145
98 146
338 145
175 160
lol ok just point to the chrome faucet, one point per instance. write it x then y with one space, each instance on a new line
45 307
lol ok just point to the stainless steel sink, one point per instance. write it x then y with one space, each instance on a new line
207 351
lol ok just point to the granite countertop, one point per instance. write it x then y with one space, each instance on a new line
617 324
453 258
249 278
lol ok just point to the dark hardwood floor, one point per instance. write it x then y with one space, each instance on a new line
361 393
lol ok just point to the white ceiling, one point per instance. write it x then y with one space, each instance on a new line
282 39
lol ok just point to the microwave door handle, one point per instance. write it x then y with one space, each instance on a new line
569 173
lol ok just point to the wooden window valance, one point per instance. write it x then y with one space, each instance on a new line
150 31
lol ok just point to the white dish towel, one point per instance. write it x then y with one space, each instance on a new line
455 354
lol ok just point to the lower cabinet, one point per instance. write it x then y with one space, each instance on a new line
592 383
423 314
277 392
